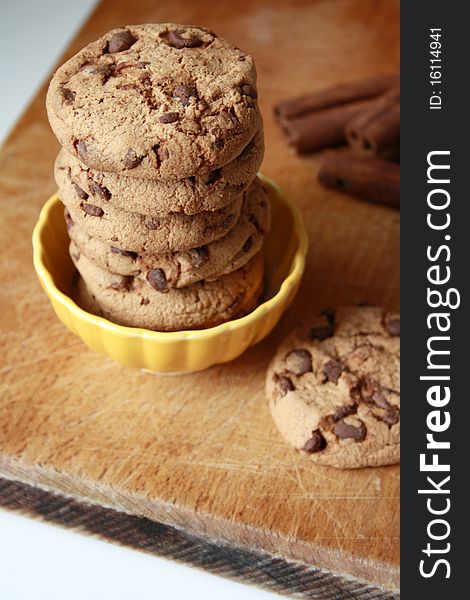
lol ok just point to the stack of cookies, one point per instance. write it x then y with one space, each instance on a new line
162 140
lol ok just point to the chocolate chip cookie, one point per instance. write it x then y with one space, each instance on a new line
156 101
334 388
145 301
157 233
180 269
191 195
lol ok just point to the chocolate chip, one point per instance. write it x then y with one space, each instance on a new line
80 193
144 301
81 149
92 210
67 94
283 383
321 332
145 79
223 224
372 391
127 253
388 413
103 70
344 411
214 176
332 370
184 93
152 223
124 283
369 391
199 256
254 221
248 244
379 399
156 155
316 443
131 160
391 415
298 361
100 190
392 325
175 39
122 40
219 143
157 279
169 117
355 394
343 430
249 90
161 152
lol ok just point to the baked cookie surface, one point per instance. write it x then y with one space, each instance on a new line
334 388
207 192
143 301
158 233
158 101
179 269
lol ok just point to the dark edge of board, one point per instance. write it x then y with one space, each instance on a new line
269 572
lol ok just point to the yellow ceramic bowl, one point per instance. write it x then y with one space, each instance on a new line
182 351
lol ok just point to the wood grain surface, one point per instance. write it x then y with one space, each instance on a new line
200 452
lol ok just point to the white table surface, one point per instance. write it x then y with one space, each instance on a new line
37 560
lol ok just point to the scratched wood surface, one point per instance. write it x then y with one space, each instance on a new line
200 452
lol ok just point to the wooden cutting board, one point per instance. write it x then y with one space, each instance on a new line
192 466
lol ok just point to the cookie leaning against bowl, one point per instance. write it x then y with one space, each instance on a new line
158 101
179 269
210 191
334 388
139 301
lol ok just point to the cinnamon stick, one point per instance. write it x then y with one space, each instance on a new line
376 131
323 128
373 179
343 93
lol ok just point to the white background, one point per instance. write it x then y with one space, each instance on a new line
40 561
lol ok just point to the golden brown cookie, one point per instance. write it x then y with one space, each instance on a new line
207 192
141 301
157 233
156 101
334 388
